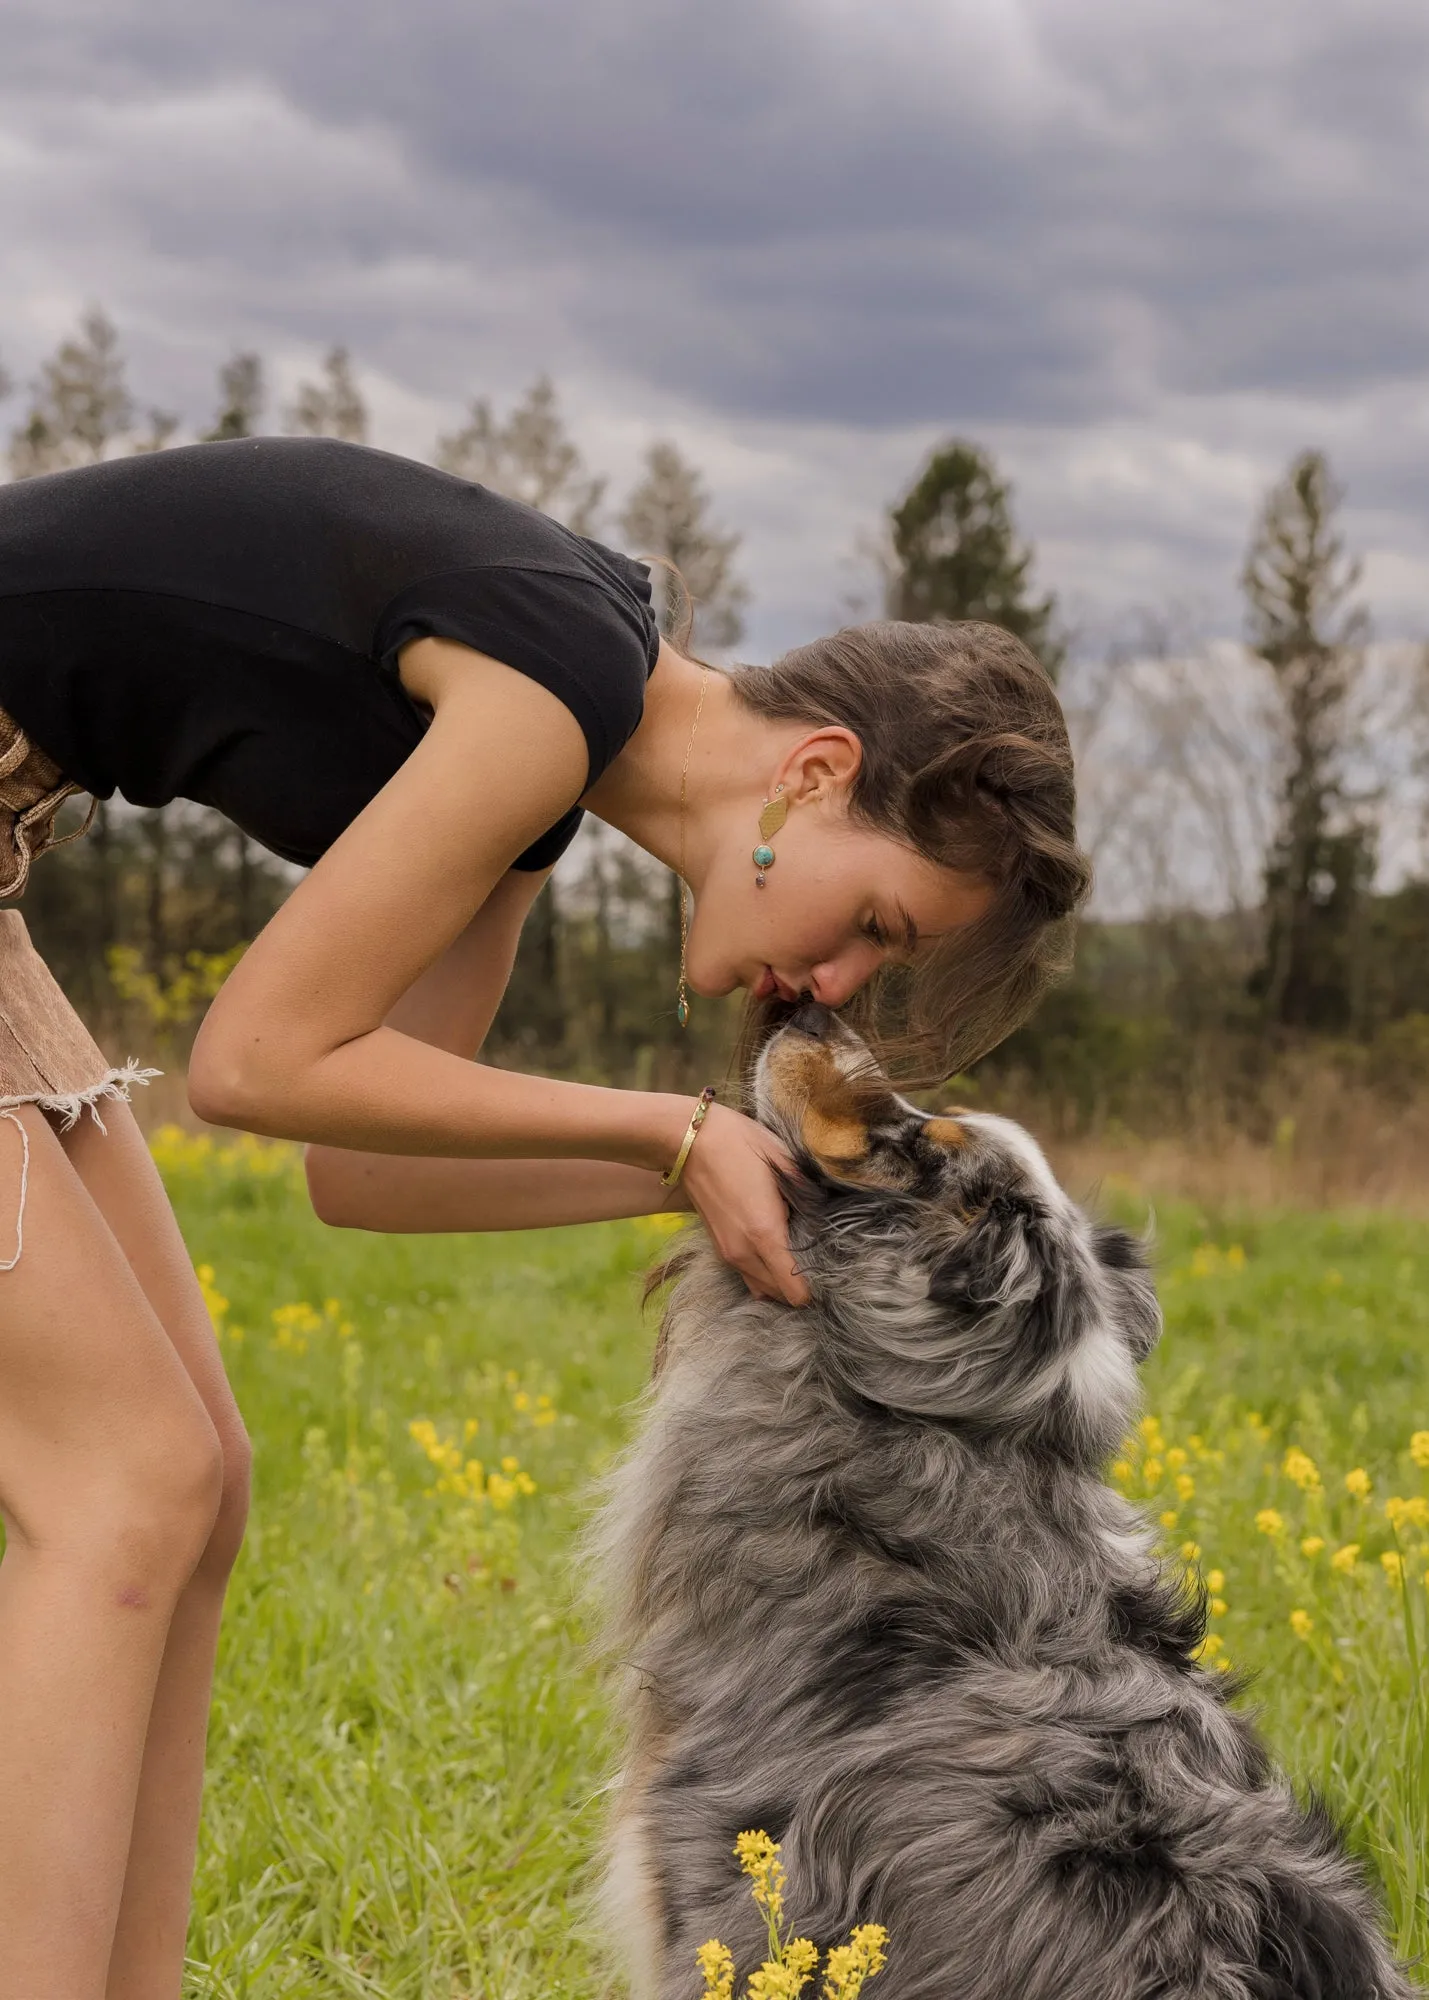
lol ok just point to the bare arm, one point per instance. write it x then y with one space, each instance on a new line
452 1006
299 1045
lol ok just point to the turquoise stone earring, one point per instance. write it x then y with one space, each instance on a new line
772 816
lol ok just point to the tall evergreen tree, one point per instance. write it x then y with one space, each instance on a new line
331 407
1299 585
699 601
241 397
956 553
668 515
528 455
80 406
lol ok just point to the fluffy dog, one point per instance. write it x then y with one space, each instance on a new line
873 1596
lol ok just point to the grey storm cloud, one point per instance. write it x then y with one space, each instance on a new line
1136 248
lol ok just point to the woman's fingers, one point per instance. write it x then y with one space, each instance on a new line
731 1182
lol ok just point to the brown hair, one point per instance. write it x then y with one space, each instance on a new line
966 761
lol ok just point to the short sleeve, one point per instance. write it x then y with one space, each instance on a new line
590 643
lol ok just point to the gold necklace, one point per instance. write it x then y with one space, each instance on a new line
682 1005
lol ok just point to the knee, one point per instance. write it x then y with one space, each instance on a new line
230 1520
152 1509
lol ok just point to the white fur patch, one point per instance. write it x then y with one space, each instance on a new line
1099 1372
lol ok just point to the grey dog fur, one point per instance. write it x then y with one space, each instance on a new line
872 1595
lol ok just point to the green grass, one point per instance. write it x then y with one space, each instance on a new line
408 1746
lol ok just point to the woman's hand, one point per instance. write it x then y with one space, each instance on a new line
729 1181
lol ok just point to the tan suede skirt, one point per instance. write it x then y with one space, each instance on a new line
47 1055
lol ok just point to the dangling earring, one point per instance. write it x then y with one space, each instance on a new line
773 815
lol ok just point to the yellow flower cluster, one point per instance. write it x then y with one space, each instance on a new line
1208 1260
467 1478
1168 1477
296 1324
792 1962
216 1305
180 1154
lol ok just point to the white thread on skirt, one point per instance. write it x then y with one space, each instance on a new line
19 1124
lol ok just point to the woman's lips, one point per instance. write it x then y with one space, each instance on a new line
770 983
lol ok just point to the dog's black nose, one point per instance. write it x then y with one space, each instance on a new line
811 1017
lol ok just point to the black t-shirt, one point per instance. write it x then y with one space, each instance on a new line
222 623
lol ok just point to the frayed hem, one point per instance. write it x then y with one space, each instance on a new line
68 1105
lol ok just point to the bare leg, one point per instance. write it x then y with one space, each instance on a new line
110 1478
147 1961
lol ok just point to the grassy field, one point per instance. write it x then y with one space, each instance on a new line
408 1748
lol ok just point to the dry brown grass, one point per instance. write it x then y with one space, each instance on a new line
1314 1139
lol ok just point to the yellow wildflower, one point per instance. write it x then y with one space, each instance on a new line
1312 1545
1344 1560
1301 1624
1235 1257
1150 1428
777 1979
1392 1563
1121 1471
1419 1449
1300 1467
1190 1552
758 1856
1358 1483
1175 1458
717 1966
1170 1518
1210 1646
1218 1607
1153 1470
1270 1522
1407 1513
1215 1579
1186 1486
848 1965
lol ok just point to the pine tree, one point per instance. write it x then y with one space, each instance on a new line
241 396
1298 584
81 405
333 407
668 516
529 456
956 553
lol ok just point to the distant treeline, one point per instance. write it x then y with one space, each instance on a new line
141 918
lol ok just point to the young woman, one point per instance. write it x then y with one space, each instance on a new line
415 686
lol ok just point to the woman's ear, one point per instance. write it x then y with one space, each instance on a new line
826 760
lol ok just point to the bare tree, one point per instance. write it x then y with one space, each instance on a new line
668 516
528 455
241 396
332 407
81 405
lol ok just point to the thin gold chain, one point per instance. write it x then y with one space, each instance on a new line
682 1005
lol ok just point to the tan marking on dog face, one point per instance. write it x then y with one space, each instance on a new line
830 1137
810 1089
945 1131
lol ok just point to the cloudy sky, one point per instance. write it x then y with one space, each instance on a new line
1143 252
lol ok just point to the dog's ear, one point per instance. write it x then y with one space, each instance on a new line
1138 1314
1000 1260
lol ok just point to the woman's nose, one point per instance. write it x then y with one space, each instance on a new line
838 979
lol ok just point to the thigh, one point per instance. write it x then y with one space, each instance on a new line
117 1172
92 1390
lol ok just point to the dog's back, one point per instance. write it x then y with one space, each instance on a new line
874 1598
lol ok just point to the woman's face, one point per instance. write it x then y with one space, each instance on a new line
837 903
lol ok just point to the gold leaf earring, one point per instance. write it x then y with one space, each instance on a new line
772 816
